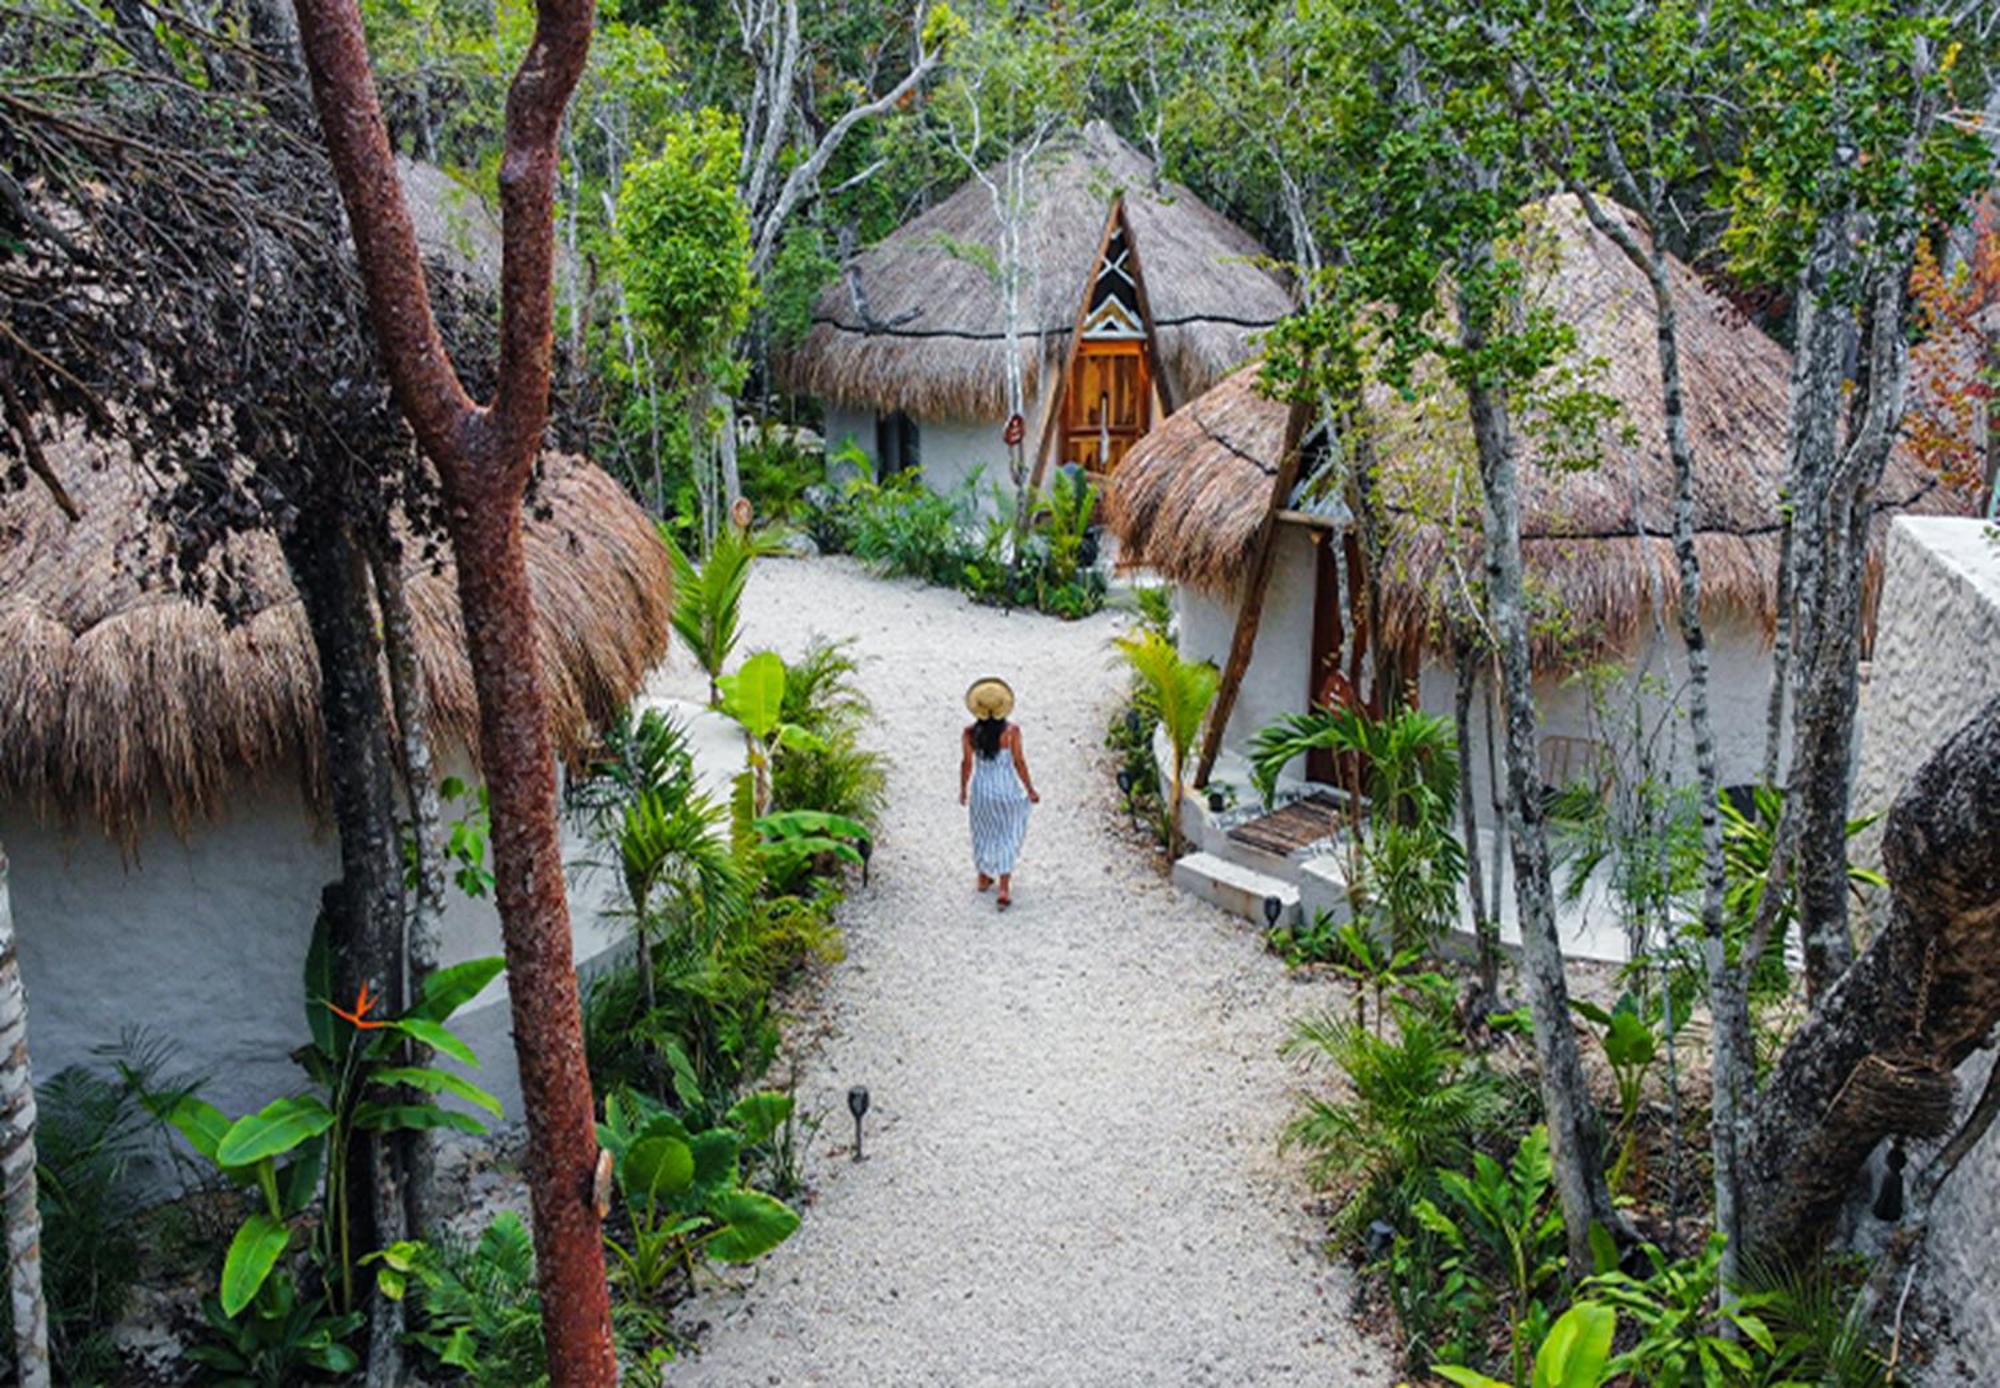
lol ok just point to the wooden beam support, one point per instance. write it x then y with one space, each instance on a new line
1259 578
1060 397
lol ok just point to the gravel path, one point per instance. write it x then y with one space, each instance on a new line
1071 1174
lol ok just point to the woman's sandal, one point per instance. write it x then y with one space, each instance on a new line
1004 902
984 884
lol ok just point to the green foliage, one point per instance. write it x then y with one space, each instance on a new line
1176 694
1575 1354
1416 1104
835 773
298 1146
1818 1322
684 1197
1507 1213
1687 1333
277 1339
1631 1046
474 1307
1406 861
683 242
90 1128
708 600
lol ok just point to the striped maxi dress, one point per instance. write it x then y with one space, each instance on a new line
999 804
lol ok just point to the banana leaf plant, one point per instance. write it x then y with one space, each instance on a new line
684 1192
755 697
298 1146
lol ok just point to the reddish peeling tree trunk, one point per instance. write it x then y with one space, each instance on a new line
484 456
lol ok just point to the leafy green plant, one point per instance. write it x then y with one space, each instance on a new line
1404 859
1417 1102
476 1306
684 1197
275 1340
1177 693
296 1147
1575 1354
708 599
1688 1333
1818 1321
839 776
1065 513
1630 1046
1152 606
755 697
1440 1295
1506 1211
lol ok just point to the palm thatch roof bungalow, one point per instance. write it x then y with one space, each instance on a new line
1137 297
162 771
1191 498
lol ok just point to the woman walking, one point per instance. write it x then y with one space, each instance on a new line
993 779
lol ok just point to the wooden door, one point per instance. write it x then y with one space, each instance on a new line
1108 406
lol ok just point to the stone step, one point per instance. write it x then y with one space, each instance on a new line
1236 888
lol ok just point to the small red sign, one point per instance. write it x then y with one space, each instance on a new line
1016 430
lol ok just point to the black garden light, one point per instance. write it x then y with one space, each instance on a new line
1132 722
1273 908
857 1104
866 848
1125 789
1217 802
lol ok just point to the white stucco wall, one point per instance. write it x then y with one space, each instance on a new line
1276 682
1936 663
951 450
202 941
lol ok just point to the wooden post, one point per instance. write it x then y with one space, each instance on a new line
1052 422
1259 578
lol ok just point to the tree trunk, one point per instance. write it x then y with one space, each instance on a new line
1485 928
1875 1059
418 1150
519 760
331 576
17 1163
484 455
1575 1135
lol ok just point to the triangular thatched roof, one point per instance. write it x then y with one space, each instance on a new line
933 343
119 696
1188 499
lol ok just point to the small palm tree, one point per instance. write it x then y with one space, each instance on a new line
708 599
1178 692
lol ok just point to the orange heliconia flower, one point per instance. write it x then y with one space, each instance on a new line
358 1018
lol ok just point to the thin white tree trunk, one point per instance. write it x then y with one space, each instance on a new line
17 1162
1575 1139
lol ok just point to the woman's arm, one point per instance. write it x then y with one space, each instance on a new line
1021 765
964 763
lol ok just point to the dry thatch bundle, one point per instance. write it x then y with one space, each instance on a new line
118 694
1188 499
932 342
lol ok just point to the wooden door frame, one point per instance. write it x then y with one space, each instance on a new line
1113 223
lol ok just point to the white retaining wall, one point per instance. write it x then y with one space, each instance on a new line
1936 663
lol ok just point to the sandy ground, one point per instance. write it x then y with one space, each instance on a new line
1071 1172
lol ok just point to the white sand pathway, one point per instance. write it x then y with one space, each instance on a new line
1071 1173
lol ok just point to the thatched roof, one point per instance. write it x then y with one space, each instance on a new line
1188 498
937 346
119 697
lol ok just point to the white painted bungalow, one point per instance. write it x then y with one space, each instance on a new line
1137 297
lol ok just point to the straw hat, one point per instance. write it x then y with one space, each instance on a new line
990 698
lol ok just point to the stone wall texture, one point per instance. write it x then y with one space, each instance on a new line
1936 662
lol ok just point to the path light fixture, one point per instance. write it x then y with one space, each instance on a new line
1273 908
857 1104
1125 789
866 848
1132 722
1381 1238
1217 802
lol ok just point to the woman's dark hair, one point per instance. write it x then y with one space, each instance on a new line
986 736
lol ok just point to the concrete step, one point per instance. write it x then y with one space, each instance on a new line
1236 888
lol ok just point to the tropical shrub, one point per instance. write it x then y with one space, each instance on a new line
1575 1354
1405 860
297 1148
838 775
276 1339
1176 693
474 1306
1418 1103
708 598
1688 1333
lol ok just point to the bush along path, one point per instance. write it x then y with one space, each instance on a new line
1071 1171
